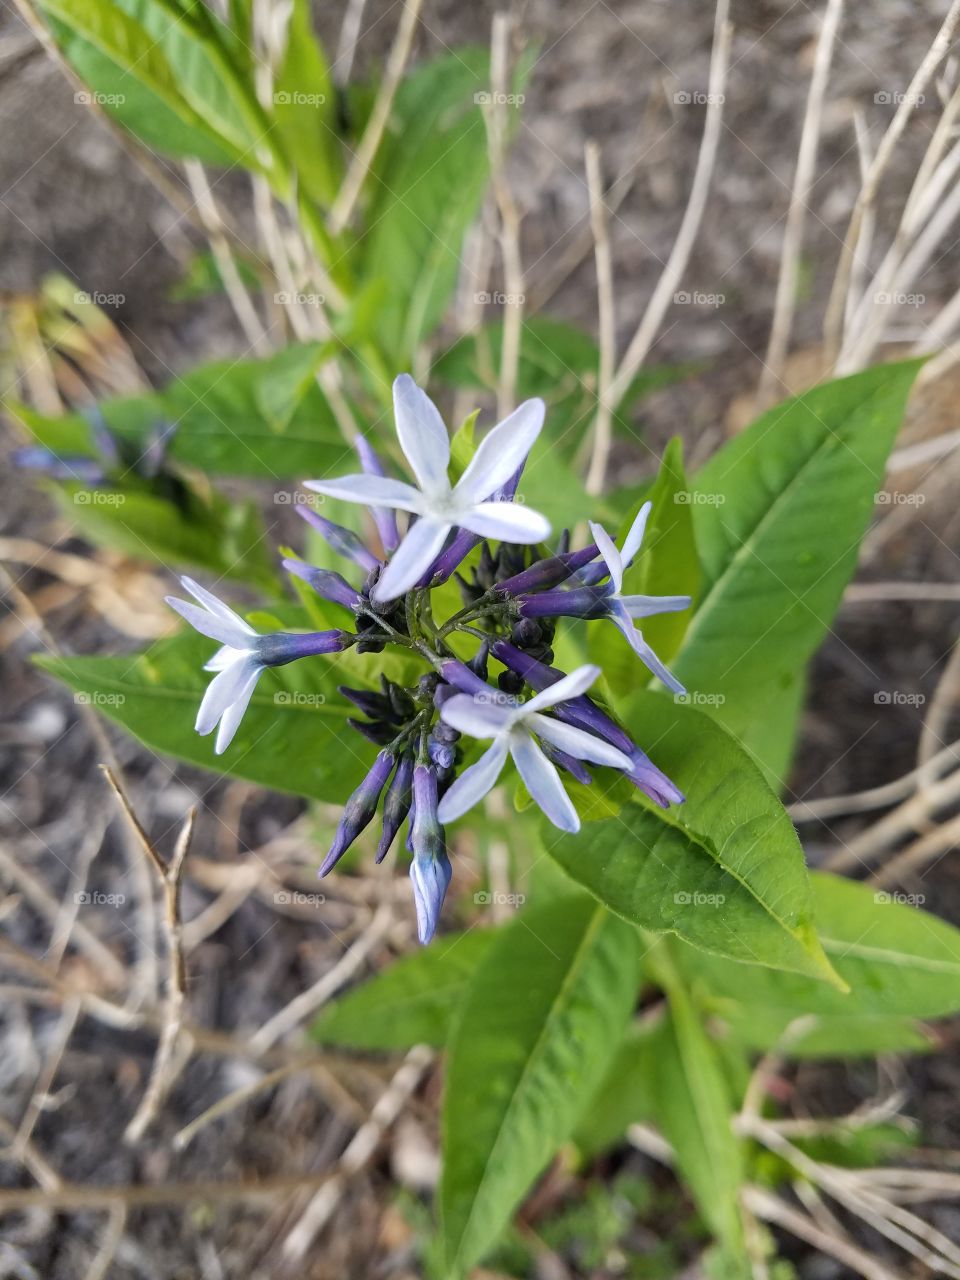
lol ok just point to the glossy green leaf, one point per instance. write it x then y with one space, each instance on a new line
544 1012
779 513
724 871
901 964
413 1002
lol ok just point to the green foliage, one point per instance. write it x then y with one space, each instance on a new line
724 871
523 1060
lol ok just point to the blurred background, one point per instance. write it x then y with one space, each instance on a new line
89 229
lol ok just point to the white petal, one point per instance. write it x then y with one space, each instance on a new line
212 625
474 783
505 521
501 452
578 742
478 717
372 491
230 722
647 606
570 686
611 555
543 782
631 543
222 690
411 560
644 652
223 657
423 435
210 601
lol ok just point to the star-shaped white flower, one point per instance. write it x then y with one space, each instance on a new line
439 505
514 727
623 609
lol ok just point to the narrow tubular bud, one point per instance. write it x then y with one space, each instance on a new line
331 586
342 540
576 768
430 870
383 517
581 602
359 810
462 678
375 705
286 646
396 804
547 573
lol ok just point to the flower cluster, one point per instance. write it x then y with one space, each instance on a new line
514 592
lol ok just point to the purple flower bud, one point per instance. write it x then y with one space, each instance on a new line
343 541
383 517
591 574
331 586
85 471
461 677
286 646
375 705
359 810
576 768
396 805
582 602
442 754
430 870
547 573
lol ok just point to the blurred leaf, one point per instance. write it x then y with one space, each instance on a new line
626 1093
203 278
413 1002
219 410
523 1060
779 513
724 871
463 445
900 963
425 190
304 107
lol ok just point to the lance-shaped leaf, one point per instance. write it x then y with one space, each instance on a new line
779 513
544 1012
723 871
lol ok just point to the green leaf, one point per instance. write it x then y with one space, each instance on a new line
294 736
463 445
779 513
667 565
626 1093
900 963
220 413
304 107
425 189
542 1015
694 1110
206 531
723 871
413 1002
